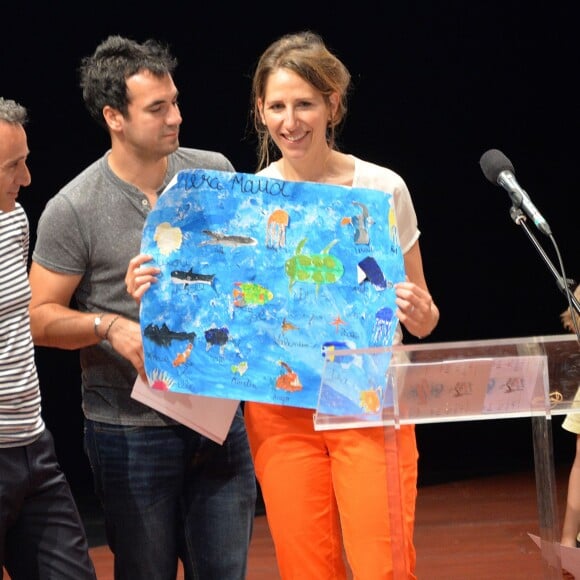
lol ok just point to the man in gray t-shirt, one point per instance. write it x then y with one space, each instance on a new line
167 491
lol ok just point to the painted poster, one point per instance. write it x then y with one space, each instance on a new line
261 279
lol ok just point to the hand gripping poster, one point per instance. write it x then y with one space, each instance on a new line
261 281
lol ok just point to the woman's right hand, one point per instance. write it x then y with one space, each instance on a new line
139 277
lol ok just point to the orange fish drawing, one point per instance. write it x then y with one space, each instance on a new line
286 326
370 400
289 381
183 356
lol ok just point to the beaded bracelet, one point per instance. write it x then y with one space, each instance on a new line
106 336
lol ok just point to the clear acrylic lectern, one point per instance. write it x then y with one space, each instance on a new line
536 377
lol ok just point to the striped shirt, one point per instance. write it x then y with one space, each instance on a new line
20 412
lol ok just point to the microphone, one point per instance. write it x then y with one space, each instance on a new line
500 171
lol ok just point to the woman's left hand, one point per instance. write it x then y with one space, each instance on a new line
416 309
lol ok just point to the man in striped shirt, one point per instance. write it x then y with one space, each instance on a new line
41 532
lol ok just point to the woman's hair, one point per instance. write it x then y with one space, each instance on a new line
305 54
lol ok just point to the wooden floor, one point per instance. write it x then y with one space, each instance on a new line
465 530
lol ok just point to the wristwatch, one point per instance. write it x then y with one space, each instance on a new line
97 325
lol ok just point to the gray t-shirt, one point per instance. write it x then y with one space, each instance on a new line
93 227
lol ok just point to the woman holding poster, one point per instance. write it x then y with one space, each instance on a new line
326 489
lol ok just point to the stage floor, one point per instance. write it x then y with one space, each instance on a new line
473 528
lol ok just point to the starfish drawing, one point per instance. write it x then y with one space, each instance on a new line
337 322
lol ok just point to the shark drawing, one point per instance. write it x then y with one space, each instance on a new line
187 277
217 238
163 336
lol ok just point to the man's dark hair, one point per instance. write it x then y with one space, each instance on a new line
103 75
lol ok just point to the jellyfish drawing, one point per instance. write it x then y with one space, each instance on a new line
276 229
383 320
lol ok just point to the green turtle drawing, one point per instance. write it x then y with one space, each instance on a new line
317 269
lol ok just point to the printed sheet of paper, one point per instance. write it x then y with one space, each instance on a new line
470 387
261 279
209 416
513 383
569 557
443 389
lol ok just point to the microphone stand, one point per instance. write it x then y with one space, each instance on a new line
542 436
566 286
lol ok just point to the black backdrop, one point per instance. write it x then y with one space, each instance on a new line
435 84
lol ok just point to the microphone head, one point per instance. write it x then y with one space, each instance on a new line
493 162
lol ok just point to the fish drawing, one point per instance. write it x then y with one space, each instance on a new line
187 277
183 356
370 400
329 347
250 294
368 269
287 325
217 337
240 368
232 241
163 335
289 381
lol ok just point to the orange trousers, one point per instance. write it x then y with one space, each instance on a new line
328 490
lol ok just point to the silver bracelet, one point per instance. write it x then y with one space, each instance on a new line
106 336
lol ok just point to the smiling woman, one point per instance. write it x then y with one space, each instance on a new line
299 94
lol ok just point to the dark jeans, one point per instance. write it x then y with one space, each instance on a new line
169 493
41 533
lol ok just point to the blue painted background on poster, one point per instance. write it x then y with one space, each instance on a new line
261 279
